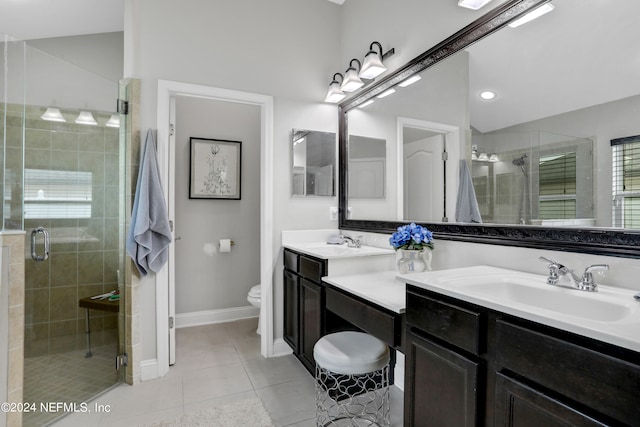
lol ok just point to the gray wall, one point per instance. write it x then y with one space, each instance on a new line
205 278
217 43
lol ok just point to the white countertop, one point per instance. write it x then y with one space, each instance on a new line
610 315
381 288
324 250
570 310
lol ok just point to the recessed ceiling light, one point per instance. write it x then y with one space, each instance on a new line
487 95
472 4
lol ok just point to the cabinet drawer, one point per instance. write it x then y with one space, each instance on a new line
453 324
603 383
311 268
291 260
384 326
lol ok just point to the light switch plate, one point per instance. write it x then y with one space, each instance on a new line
333 213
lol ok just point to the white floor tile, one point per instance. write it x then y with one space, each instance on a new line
215 365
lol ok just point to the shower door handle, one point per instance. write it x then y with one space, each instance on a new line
34 235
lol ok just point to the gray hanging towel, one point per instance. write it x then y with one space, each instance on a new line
149 232
466 205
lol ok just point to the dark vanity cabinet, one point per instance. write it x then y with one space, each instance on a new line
467 365
303 304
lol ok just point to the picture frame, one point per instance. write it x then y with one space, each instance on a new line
215 169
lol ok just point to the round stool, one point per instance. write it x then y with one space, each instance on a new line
352 380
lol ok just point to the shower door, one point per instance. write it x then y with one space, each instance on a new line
74 219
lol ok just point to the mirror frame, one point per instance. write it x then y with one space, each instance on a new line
600 241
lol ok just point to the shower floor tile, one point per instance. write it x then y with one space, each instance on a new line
68 378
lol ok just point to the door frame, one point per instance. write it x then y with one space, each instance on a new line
168 90
453 144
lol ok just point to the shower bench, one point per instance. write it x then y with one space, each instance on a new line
96 304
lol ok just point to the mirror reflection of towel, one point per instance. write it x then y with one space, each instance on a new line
466 205
149 232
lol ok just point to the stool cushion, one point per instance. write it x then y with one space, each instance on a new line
351 353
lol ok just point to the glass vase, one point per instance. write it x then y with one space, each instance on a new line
414 261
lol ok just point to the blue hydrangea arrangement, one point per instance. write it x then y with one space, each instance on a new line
412 237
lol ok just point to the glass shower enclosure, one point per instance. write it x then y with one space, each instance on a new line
62 177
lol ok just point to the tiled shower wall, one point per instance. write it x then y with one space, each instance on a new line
84 252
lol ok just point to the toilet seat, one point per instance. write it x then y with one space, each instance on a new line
255 292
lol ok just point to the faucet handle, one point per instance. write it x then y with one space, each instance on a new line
588 283
554 270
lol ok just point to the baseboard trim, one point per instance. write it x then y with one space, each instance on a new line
149 370
207 317
281 348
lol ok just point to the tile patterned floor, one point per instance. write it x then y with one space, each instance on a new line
216 364
67 377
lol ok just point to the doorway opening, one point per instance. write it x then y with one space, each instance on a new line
165 280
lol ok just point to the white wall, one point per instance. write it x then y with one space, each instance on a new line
205 278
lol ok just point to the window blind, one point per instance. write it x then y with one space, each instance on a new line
626 181
57 194
557 186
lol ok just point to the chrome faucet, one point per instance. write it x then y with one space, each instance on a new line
584 283
351 242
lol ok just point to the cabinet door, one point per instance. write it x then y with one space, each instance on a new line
291 310
440 386
311 314
522 406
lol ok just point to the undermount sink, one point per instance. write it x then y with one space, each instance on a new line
611 314
598 306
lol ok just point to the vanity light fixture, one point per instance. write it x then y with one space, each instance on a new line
472 4
411 80
536 13
113 122
487 95
372 65
86 118
53 114
386 93
366 104
335 94
351 80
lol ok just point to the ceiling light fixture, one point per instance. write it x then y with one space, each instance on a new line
53 114
114 121
386 93
86 118
487 95
335 94
494 158
372 65
351 80
411 80
366 104
472 4
536 13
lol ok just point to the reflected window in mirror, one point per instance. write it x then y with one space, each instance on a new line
626 181
313 163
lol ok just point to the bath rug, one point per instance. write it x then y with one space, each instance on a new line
249 412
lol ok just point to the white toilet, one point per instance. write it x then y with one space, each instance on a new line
254 299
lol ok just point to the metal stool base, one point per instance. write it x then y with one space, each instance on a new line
350 400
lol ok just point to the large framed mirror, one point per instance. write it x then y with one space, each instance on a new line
541 164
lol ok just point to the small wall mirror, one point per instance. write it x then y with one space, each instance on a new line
313 163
